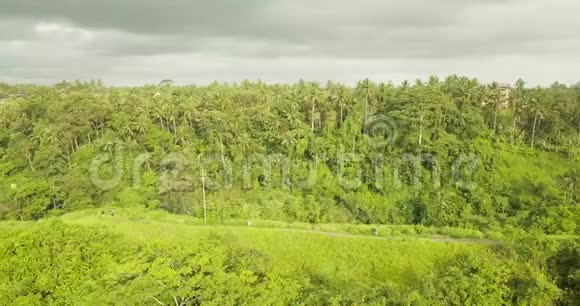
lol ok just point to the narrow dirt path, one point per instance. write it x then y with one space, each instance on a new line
439 238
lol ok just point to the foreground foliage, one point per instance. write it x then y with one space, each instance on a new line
54 262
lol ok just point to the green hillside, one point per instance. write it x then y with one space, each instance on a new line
437 192
147 257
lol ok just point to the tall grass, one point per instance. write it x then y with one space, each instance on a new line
321 250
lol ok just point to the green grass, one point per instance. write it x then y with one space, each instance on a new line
527 164
334 251
329 256
390 231
8 228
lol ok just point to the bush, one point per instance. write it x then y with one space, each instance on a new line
472 278
65 264
494 235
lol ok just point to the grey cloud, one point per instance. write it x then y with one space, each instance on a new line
38 38
136 16
13 29
343 28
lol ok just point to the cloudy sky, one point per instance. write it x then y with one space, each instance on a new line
132 42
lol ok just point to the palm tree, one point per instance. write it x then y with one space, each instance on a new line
518 99
491 98
316 98
341 99
537 110
367 89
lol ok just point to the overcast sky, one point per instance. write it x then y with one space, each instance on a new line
132 42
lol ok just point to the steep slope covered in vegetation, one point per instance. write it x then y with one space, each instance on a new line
437 153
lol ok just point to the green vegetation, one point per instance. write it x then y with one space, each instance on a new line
471 197
144 257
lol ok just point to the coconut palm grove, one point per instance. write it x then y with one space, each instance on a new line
443 191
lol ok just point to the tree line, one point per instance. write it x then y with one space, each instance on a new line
449 151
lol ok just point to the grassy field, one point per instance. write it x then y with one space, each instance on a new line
341 252
135 250
91 216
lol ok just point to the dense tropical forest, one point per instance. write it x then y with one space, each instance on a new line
87 171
